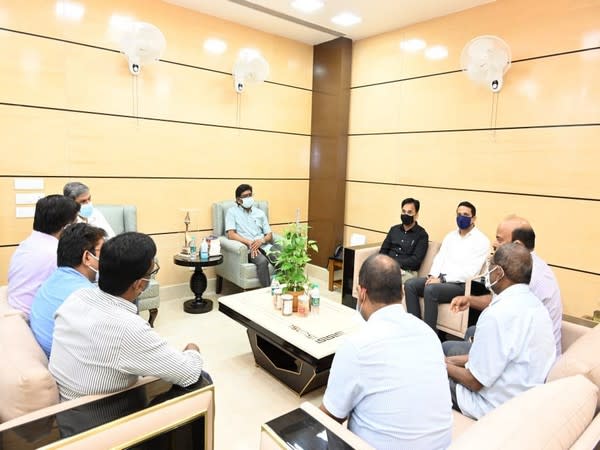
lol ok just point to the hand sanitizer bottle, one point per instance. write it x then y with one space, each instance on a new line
204 249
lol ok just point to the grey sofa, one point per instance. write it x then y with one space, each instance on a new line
123 218
235 267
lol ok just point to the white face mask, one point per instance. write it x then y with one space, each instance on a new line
359 307
248 202
488 284
96 271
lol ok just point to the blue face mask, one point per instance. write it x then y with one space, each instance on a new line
86 210
463 222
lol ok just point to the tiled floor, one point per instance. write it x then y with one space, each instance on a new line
246 395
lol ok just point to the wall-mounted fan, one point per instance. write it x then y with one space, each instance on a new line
250 67
486 59
142 43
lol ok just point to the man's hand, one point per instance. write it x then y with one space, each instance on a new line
191 346
432 280
254 246
459 303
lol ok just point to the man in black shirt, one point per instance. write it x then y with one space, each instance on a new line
407 242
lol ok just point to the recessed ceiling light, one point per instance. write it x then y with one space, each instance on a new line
413 45
69 10
436 52
346 19
307 6
216 46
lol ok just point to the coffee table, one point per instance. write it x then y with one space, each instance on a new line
296 350
197 305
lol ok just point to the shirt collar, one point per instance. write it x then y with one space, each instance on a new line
510 291
44 236
119 302
384 311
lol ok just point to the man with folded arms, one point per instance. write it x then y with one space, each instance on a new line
514 347
34 259
461 256
543 285
389 378
100 343
77 258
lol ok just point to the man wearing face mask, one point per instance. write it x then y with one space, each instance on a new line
407 242
77 259
100 343
513 349
389 378
543 284
88 214
461 256
250 226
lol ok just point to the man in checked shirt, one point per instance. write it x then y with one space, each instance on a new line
101 345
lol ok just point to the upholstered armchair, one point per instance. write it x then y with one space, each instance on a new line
123 218
235 267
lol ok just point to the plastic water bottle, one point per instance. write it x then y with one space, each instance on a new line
275 292
193 248
315 299
204 249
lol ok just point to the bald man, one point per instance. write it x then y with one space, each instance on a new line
543 284
513 349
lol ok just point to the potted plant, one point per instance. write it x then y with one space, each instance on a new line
292 258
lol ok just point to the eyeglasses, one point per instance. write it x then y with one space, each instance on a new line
153 273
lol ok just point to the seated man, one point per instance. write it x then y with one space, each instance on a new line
543 285
461 256
34 259
407 242
100 343
513 349
250 226
78 252
389 377
88 214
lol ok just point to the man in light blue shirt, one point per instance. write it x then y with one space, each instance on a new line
250 226
77 259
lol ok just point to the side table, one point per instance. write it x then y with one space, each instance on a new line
198 283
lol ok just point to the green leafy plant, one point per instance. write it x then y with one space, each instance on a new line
293 256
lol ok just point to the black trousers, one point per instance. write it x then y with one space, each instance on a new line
433 294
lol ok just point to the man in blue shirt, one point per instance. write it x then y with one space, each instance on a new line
251 227
77 259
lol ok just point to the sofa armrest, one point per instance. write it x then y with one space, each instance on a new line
570 332
590 437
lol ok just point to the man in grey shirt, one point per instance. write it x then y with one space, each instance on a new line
101 345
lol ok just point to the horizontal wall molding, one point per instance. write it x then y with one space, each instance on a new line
127 177
572 269
470 130
485 191
166 61
151 119
448 72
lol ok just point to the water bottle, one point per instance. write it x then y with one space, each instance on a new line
275 292
193 248
315 299
204 249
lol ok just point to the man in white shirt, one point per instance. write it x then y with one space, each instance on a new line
543 284
389 378
100 343
514 347
34 259
462 254
88 214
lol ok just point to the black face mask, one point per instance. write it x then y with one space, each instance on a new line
406 219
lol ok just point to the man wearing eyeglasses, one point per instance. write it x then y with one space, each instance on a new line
101 345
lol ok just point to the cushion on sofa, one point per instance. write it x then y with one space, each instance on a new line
549 416
28 385
582 357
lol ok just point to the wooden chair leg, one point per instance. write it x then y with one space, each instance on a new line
219 286
331 271
153 313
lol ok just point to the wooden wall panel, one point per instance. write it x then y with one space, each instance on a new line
531 29
506 161
58 72
438 208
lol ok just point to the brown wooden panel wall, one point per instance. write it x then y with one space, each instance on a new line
420 128
176 137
